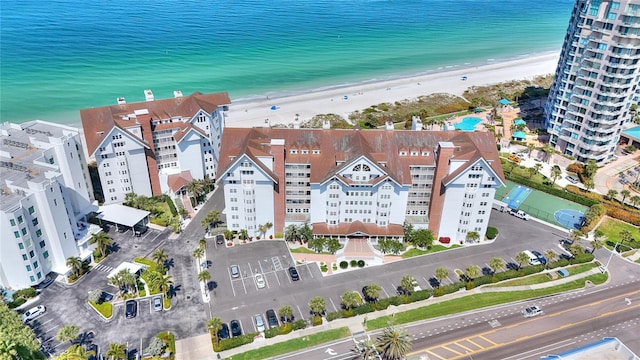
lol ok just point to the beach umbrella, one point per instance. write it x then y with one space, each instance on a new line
345 97
273 107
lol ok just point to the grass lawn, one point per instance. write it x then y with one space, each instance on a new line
106 309
612 228
542 278
638 261
477 301
304 250
417 252
293 345
516 170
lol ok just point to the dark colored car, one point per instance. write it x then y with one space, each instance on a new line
236 330
541 258
223 333
220 239
294 273
95 352
131 309
272 319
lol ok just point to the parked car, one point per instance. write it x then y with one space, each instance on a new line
257 319
260 283
96 352
293 272
532 311
533 259
572 179
540 257
157 303
519 214
33 313
220 239
235 271
131 309
223 333
236 330
272 319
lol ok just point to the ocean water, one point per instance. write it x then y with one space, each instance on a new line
59 56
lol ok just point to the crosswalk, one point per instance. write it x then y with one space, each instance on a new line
277 265
103 268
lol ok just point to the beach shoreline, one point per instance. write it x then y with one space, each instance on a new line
342 100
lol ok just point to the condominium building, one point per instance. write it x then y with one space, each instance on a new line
359 183
45 196
596 80
150 147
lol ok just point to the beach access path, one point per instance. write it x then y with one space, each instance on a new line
269 111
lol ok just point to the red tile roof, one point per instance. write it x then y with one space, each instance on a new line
349 144
177 181
356 227
103 119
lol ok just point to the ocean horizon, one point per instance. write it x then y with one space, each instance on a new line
89 54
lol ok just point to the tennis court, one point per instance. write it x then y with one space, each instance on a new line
543 206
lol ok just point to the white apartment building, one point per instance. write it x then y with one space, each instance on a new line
45 196
143 147
596 80
355 183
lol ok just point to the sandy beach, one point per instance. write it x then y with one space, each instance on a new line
344 100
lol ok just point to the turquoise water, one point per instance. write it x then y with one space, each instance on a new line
59 56
634 131
467 124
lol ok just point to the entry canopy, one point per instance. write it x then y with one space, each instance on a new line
504 102
121 215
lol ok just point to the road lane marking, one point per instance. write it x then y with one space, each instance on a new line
474 343
464 347
487 340
451 350
436 355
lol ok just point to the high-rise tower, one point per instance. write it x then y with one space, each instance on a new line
597 79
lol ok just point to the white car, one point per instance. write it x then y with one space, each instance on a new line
33 313
260 283
532 311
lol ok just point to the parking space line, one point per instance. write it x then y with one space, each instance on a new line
334 305
427 281
242 279
261 269
231 280
310 273
395 289
276 273
385 291
301 314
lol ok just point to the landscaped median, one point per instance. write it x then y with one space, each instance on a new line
105 309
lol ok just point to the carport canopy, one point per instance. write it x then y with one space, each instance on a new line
121 215
133 268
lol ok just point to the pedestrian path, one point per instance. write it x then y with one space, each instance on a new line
103 268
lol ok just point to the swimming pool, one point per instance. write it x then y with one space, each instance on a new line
634 132
467 124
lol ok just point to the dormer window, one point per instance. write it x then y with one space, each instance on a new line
293 152
403 153
305 152
316 152
414 153
425 153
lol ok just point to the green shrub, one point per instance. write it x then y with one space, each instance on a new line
557 263
353 263
158 221
334 315
317 320
482 280
324 267
360 263
25 293
299 324
395 300
344 264
528 270
169 339
365 308
347 313
491 233
506 275
420 295
286 328
14 304
234 342
382 304
582 258
451 288
269 333
172 206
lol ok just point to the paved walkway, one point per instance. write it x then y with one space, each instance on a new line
200 348
607 176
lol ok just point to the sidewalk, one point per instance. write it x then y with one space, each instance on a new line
200 348
606 177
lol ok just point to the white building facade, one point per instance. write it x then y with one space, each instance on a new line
352 183
596 80
45 197
139 146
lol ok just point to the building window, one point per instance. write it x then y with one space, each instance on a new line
19 219
31 254
24 231
42 244
16 234
35 264
28 267
31 210
39 275
13 222
32 278
45 254
34 221
24 257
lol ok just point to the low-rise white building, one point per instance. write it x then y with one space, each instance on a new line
45 196
142 147
359 183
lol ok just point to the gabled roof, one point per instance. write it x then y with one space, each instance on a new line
350 144
182 133
358 227
103 119
179 180
477 158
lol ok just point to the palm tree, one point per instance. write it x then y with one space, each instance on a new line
214 325
406 284
530 147
160 256
306 232
575 235
207 183
163 283
291 233
537 167
522 259
198 253
394 343
244 234
317 304
333 245
550 255
265 227
496 263
625 236
441 274
472 272
75 264
635 200
204 276
68 332
625 193
76 352
212 217
612 193
576 248
589 184
116 351
286 313
228 234
195 188
203 243
548 152
350 299
102 241
372 292
473 236
556 173
365 350
129 280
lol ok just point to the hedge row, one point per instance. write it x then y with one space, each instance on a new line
233 342
172 206
580 199
614 209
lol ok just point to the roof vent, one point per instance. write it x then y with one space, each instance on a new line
148 95
121 100
177 93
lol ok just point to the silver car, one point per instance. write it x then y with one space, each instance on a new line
259 321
